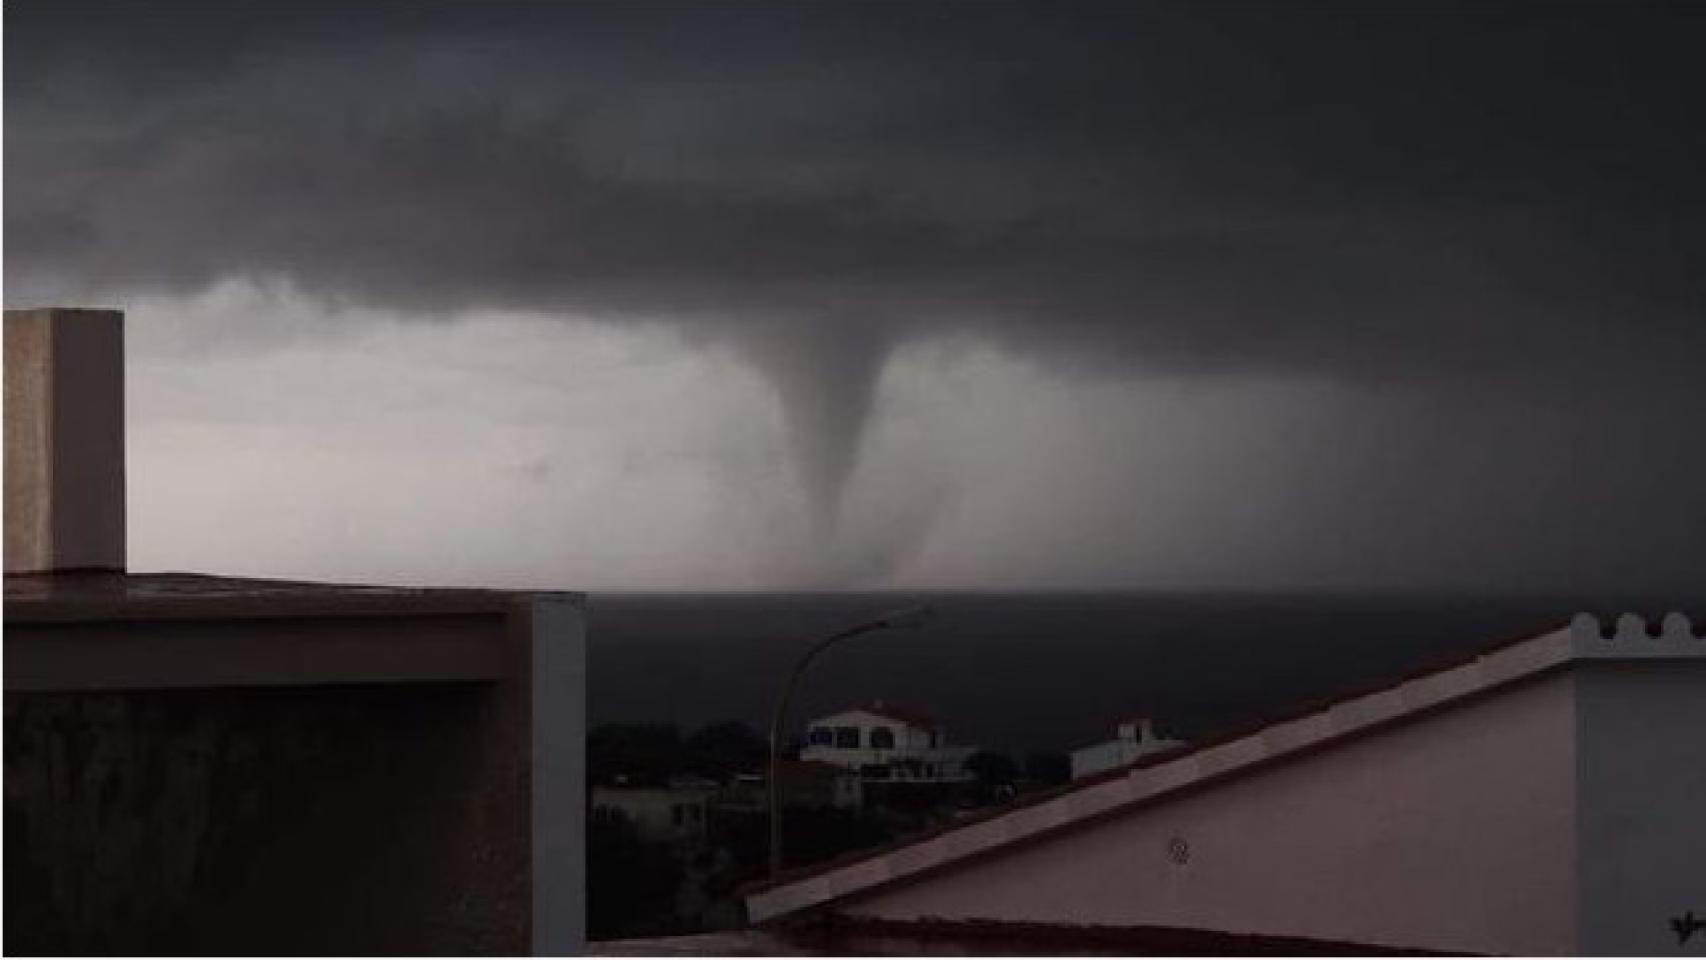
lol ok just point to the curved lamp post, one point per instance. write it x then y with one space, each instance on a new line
898 620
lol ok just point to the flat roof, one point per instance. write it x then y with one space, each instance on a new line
1166 773
86 631
101 595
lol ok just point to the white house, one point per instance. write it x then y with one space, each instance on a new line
886 743
1544 797
1133 739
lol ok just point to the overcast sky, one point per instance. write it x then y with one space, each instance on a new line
726 295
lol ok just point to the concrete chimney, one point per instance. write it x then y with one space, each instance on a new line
64 440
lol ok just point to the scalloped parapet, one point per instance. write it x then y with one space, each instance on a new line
1674 627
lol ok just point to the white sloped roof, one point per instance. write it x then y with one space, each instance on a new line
1158 775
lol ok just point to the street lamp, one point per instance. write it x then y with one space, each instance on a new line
903 619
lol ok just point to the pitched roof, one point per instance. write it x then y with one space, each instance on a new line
1165 773
878 708
916 718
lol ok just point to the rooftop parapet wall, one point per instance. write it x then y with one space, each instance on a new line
1594 632
1655 647
205 765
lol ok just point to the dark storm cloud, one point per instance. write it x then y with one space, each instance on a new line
1506 194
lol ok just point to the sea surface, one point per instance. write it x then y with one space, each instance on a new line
1024 672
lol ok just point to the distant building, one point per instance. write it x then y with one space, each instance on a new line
1134 738
676 813
1543 797
805 783
884 743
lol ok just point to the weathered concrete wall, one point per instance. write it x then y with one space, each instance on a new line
64 440
1387 839
336 819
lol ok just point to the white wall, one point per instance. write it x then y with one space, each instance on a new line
911 743
1096 758
949 761
1115 753
1643 804
658 813
1453 831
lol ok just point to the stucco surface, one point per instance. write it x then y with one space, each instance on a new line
1453 831
1643 806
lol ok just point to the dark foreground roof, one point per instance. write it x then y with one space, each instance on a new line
93 595
846 936
80 631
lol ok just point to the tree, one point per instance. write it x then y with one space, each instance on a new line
815 834
991 768
1048 769
633 753
721 750
993 772
630 882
